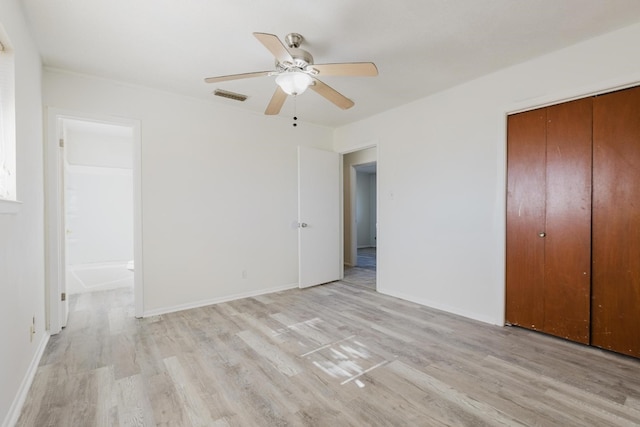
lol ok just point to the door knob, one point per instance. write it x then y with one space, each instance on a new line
303 225
542 234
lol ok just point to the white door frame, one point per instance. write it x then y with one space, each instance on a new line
353 226
54 212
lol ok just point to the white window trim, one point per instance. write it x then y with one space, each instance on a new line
9 203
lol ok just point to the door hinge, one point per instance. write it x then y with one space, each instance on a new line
61 142
63 296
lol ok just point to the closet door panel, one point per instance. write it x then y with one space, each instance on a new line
567 283
616 222
525 219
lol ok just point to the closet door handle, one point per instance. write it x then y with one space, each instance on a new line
542 234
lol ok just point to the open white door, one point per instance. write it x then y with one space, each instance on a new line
55 253
319 245
62 272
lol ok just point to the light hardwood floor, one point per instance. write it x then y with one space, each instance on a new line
364 273
360 277
332 355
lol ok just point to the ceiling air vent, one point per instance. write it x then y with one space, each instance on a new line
231 95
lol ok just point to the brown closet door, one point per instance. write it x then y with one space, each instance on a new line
616 222
525 218
549 220
567 281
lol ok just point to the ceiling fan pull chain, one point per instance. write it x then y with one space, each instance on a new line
295 108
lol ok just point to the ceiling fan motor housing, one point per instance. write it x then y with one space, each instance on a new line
301 59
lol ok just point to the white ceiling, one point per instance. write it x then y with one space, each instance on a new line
420 46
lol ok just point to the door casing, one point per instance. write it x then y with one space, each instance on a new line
54 214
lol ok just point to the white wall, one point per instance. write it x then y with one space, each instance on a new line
21 234
104 145
99 215
441 173
219 190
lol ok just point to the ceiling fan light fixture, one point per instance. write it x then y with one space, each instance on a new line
295 71
294 82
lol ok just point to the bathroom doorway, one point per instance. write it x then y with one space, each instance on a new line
98 206
91 147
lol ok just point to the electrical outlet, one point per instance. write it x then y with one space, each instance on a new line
244 274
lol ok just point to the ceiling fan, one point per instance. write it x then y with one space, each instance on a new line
295 72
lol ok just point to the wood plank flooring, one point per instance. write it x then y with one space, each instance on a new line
364 274
333 355
367 258
360 277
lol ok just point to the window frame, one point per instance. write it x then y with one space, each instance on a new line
9 203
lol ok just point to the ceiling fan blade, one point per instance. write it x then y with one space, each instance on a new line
367 69
332 95
277 100
236 76
275 46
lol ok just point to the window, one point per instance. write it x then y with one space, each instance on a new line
7 121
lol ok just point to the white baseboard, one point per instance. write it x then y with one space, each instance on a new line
443 307
213 301
16 407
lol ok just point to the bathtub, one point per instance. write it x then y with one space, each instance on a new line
98 277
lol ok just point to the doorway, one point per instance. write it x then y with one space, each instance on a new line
360 217
98 206
93 203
